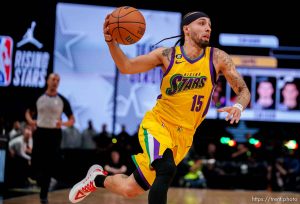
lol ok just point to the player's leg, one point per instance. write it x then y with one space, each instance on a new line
120 184
165 171
156 142
165 168
123 185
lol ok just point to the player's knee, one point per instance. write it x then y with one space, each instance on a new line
167 170
130 188
166 166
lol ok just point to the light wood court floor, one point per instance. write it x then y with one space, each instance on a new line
175 196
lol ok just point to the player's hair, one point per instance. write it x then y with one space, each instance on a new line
186 20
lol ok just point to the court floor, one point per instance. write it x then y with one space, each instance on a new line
175 196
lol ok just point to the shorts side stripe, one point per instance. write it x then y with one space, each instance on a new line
140 173
146 143
152 146
156 150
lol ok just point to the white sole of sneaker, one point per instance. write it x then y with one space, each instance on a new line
73 191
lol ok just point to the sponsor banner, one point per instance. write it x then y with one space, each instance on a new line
246 40
254 61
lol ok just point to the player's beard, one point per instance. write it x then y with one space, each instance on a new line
201 43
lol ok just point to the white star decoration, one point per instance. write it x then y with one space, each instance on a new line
64 40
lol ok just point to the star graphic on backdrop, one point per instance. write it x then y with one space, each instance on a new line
124 97
132 117
64 40
240 131
131 103
111 80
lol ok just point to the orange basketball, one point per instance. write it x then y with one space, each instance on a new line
126 25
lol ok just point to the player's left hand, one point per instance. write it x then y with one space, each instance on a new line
233 113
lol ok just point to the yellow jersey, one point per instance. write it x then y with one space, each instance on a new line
186 89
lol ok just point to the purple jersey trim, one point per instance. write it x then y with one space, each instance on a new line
171 62
191 60
212 67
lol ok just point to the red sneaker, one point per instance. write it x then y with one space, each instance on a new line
86 185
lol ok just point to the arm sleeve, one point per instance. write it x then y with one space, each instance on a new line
67 107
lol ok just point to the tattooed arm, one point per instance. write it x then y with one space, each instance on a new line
224 64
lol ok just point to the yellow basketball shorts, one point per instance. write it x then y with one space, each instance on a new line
155 136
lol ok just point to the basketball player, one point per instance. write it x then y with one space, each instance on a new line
166 132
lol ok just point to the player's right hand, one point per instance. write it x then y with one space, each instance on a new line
107 35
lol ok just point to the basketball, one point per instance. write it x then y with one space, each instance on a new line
126 25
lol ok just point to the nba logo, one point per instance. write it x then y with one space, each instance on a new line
6 48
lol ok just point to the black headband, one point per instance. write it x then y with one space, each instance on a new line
187 19
190 17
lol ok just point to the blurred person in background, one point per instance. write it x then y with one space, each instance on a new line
290 97
103 141
46 152
16 130
71 138
116 164
193 176
20 149
88 135
124 142
287 172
